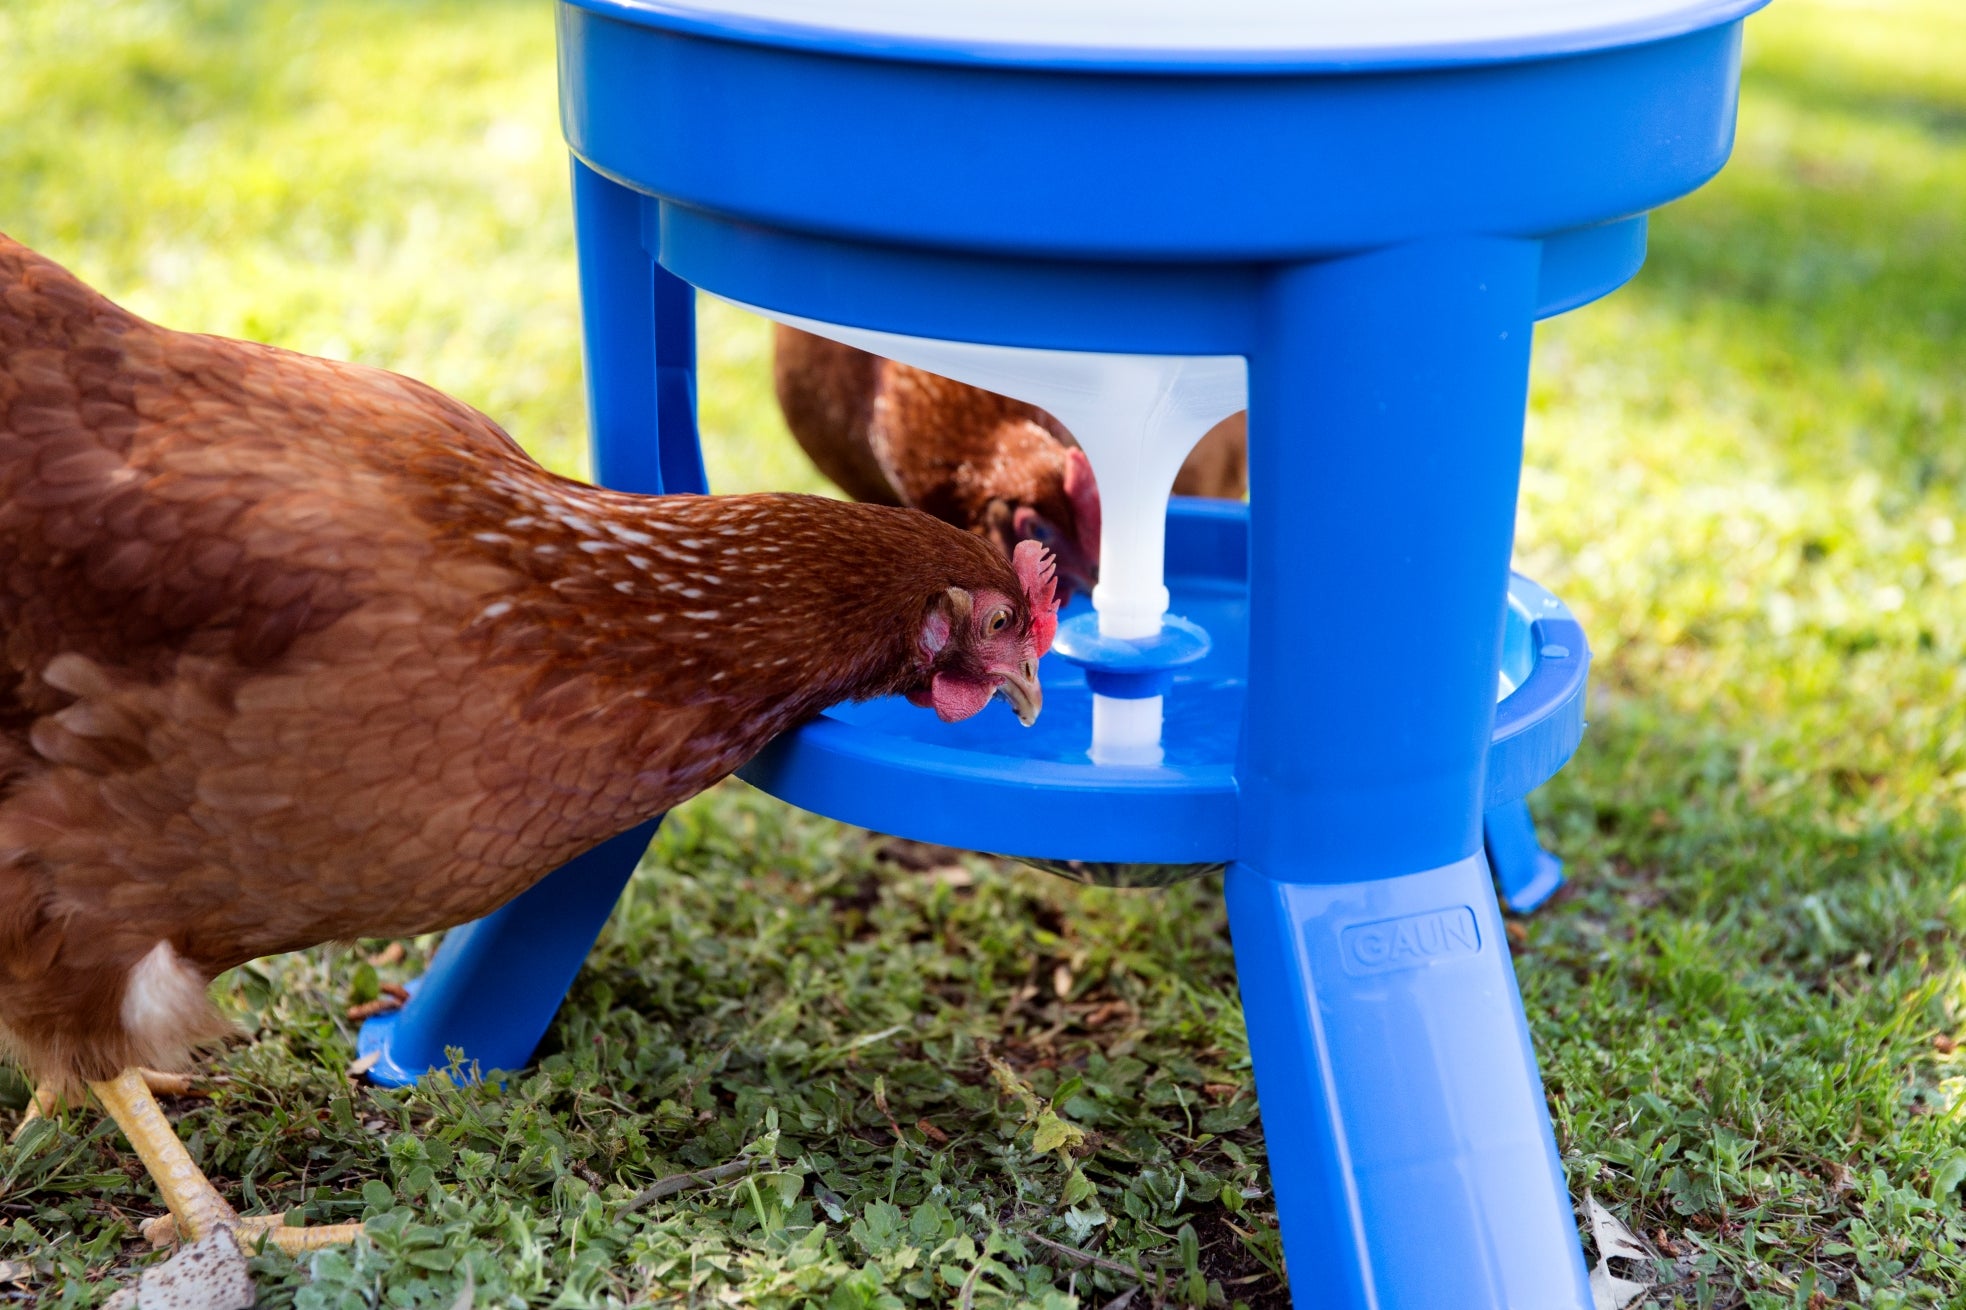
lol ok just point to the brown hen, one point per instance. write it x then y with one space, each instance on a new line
891 434
294 651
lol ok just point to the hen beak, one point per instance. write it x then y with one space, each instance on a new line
1020 688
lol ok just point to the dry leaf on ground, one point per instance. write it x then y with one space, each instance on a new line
1614 1241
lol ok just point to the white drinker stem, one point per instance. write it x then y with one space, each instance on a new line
1137 416
1151 411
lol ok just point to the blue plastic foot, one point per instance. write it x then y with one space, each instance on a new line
1525 873
494 985
1410 1145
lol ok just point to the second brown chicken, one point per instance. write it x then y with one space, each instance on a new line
891 434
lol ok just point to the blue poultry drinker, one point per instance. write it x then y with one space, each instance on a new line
1141 214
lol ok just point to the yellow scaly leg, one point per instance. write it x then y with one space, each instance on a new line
196 1207
45 1102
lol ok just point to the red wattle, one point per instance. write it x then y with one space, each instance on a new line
955 698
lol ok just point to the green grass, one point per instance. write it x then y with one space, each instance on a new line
1747 472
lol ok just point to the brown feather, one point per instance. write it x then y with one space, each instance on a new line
294 650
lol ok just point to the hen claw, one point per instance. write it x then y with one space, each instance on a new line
196 1207
162 1231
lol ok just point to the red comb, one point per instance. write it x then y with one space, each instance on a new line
1037 573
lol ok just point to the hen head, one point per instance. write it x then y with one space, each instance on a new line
980 643
1055 505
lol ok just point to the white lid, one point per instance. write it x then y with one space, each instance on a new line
1125 31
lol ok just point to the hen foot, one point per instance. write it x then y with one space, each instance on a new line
196 1207
164 1231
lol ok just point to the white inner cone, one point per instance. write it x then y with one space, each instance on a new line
1137 416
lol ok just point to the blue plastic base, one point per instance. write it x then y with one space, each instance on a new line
1378 245
1525 874
886 765
494 985
1410 1144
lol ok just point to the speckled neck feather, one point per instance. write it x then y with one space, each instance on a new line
294 650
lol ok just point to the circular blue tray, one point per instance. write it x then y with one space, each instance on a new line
989 784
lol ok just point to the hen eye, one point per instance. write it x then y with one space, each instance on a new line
998 618
1039 531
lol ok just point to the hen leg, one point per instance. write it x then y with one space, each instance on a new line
45 1102
196 1207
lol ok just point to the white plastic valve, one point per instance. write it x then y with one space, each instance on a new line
1137 417
1126 731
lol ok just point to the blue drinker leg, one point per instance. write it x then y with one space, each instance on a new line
1407 1134
1525 873
638 347
1410 1146
1388 356
493 986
